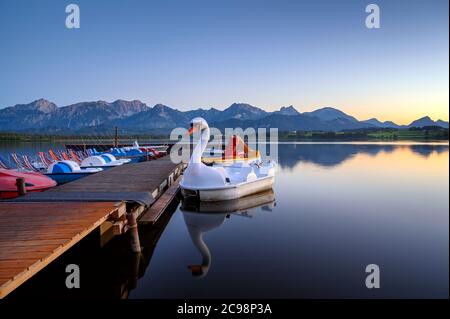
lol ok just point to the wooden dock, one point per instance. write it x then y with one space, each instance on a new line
37 228
154 212
34 234
141 182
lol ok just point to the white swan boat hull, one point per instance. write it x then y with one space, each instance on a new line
228 192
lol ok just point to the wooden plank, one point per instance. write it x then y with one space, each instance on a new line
35 242
119 212
154 212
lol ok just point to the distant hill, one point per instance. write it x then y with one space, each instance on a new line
40 105
136 117
210 115
159 118
441 123
242 111
377 123
26 116
330 114
282 122
427 121
287 110
43 114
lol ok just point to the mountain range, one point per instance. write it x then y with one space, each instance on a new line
136 117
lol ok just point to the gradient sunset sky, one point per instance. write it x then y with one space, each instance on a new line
189 54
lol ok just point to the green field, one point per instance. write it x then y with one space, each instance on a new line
382 134
410 135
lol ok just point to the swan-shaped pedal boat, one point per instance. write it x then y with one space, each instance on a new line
219 182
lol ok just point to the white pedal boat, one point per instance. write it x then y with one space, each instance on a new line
104 161
218 182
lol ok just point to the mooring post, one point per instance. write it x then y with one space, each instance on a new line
20 183
116 137
134 272
134 234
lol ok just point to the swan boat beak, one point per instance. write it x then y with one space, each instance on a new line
192 130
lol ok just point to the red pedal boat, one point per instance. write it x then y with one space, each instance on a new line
34 182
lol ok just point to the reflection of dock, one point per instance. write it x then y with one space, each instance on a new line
37 228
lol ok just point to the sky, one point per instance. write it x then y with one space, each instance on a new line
196 53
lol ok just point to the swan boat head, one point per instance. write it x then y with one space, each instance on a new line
198 174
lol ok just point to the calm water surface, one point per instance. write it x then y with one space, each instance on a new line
335 208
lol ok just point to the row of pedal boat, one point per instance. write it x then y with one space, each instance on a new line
60 167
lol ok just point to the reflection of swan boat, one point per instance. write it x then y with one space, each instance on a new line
240 205
201 217
197 224
216 183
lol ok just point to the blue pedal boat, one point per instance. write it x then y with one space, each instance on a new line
134 155
68 171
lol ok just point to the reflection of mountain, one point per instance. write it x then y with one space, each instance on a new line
427 150
334 154
201 217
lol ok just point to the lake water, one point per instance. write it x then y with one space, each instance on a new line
335 208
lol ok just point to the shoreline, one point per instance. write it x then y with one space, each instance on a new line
416 135
281 141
